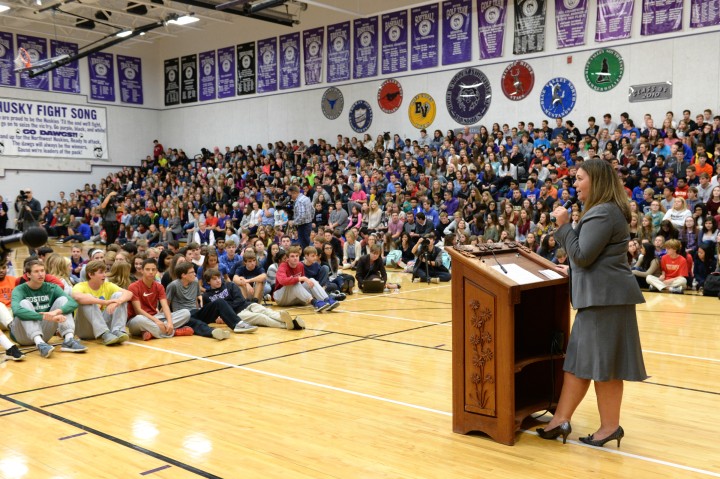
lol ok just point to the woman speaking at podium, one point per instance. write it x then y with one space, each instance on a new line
604 344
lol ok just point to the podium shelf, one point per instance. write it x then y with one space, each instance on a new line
521 364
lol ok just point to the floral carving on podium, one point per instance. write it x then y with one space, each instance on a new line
481 343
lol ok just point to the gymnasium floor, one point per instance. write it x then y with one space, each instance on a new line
363 392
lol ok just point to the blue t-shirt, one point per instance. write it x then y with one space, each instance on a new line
243 272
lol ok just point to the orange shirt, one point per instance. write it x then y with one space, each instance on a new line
674 267
6 287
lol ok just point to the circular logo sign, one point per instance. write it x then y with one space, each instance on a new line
604 70
422 111
314 49
517 80
226 65
468 96
390 96
189 72
425 28
492 15
394 33
530 8
571 4
129 73
332 103
558 97
360 116
101 69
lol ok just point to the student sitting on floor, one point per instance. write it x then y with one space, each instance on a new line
293 288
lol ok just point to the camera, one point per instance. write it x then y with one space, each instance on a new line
23 195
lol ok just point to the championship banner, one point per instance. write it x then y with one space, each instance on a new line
67 77
313 50
130 74
457 37
570 22
267 65
661 16
424 36
491 27
102 76
172 82
365 47
208 76
37 49
394 42
529 26
7 50
226 72
614 20
338 52
246 69
53 130
704 13
188 85
290 61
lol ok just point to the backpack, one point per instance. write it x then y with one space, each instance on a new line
348 283
712 285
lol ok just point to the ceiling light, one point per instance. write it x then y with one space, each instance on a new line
185 19
4 8
38 3
124 33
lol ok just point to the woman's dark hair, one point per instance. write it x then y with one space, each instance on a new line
161 260
648 255
668 231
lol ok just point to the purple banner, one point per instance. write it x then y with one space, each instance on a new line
457 37
424 36
246 69
704 13
529 26
394 42
614 20
570 22
267 65
7 48
37 49
290 61
208 75
366 47
226 72
102 76
491 27
130 75
661 16
189 82
67 77
313 47
338 52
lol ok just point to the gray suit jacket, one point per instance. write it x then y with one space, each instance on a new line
597 250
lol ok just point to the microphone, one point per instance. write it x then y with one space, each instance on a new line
492 250
32 238
567 205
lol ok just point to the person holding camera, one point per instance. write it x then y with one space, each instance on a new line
108 210
428 264
28 210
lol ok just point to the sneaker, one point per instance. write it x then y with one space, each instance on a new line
72 345
676 290
109 338
435 280
147 336
220 334
338 296
416 280
267 298
287 319
333 304
184 331
243 327
321 306
14 353
45 349
652 288
122 335
298 323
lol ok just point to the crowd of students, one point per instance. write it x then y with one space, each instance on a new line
289 222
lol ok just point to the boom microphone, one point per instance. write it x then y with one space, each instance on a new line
567 205
33 238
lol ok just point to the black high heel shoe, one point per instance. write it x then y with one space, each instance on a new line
563 430
618 434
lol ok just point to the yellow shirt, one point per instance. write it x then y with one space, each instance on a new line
107 289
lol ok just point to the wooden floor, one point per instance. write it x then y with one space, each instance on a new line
364 392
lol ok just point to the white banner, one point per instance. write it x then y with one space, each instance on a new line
42 129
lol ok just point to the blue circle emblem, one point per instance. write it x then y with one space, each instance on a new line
558 97
361 116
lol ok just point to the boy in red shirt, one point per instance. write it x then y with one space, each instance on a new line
674 270
292 287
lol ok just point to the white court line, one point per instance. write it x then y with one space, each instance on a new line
301 381
415 406
392 317
685 356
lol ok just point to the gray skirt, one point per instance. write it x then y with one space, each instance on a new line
605 345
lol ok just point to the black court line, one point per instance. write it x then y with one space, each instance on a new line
716 393
14 412
379 338
72 436
157 469
106 393
160 365
113 439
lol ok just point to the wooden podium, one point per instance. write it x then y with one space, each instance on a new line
505 365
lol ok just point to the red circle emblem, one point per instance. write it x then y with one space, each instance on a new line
390 96
517 80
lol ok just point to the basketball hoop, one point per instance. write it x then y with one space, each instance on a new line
23 60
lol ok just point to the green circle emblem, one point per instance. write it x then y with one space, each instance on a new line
604 70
